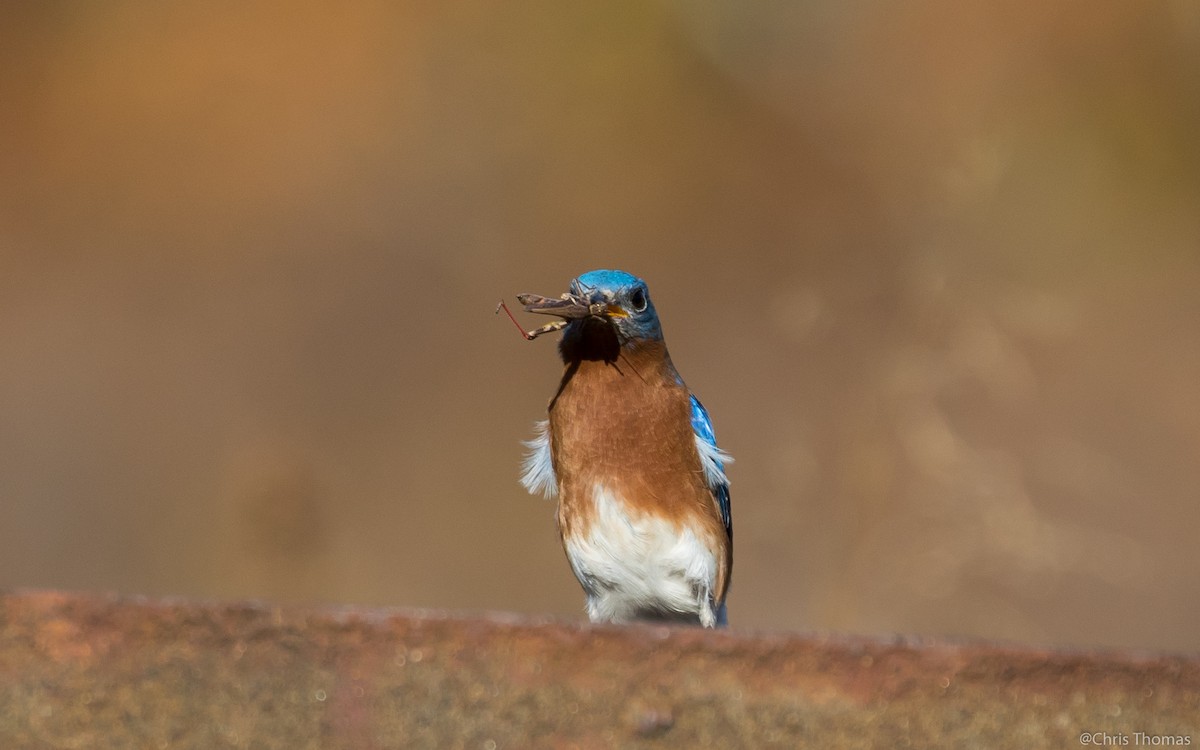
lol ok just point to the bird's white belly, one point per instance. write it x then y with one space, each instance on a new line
634 565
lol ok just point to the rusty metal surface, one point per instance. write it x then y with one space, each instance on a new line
104 672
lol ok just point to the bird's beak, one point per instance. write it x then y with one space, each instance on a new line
569 307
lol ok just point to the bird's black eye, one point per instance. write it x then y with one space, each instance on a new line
637 300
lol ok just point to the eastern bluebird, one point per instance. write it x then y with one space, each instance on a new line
643 501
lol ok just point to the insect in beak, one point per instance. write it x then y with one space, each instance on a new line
568 307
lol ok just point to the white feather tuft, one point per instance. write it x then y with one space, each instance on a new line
537 470
713 459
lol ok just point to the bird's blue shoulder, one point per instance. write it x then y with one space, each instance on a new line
713 460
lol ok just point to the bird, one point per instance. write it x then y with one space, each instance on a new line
630 454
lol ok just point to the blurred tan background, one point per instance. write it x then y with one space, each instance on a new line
934 268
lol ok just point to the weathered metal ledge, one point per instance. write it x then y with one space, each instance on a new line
82 671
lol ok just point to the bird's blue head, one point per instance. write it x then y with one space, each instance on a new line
625 300
602 312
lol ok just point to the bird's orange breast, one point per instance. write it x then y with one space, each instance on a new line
626 426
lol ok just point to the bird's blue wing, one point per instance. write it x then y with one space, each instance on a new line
713 459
